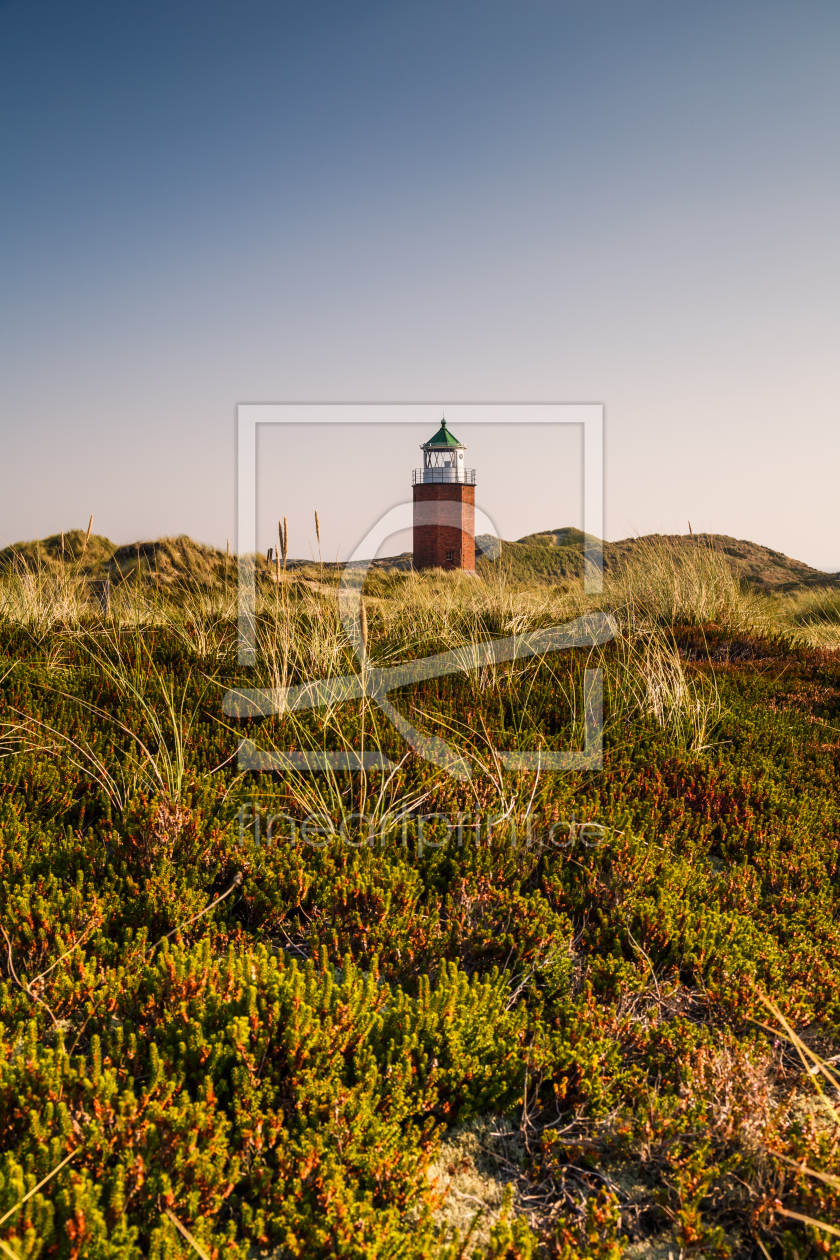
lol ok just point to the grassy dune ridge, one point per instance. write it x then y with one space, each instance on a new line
550 555
493 1032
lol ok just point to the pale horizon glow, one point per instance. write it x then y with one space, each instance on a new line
634 206
529 464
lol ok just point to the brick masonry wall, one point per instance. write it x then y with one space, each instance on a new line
433 539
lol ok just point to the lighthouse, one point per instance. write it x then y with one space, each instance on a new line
444 505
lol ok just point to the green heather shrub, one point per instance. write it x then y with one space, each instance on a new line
268 1040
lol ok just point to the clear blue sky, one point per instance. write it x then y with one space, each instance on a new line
211 203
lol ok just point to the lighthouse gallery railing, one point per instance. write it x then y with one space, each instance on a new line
445 476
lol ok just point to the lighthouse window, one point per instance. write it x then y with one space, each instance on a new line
450 556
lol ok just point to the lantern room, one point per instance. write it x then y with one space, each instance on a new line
443 460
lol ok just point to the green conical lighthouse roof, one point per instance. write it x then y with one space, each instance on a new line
443 439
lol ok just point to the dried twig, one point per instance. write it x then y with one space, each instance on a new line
237 880
196 1246
25 987
808 1220
35 1189
95 921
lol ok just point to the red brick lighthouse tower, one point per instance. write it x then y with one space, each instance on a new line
444 506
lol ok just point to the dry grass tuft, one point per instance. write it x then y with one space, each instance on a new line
475 1173
673 585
